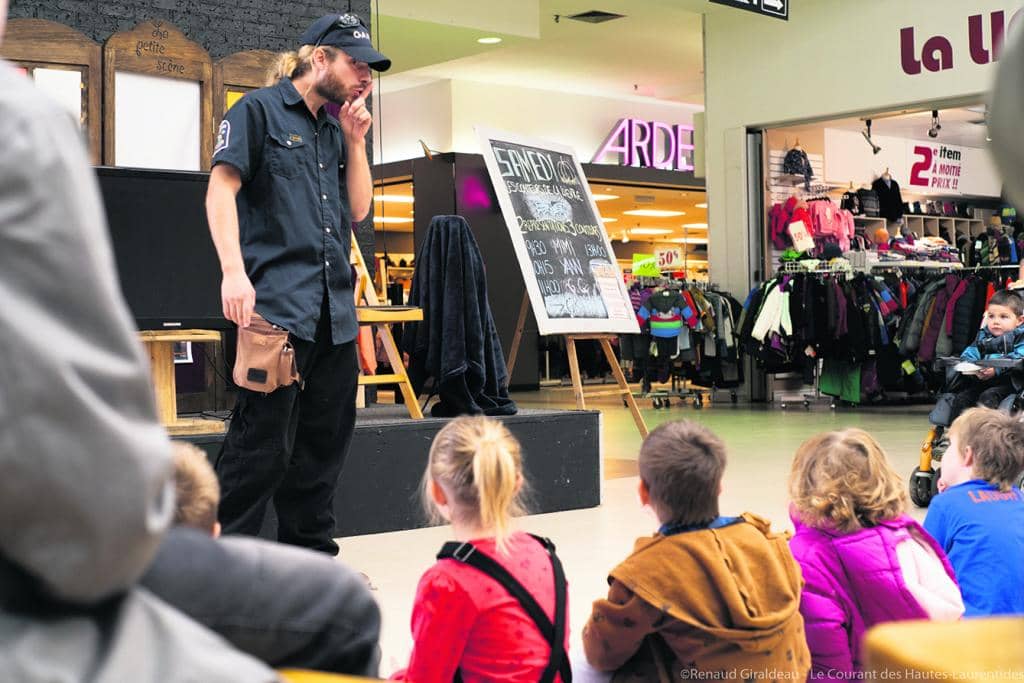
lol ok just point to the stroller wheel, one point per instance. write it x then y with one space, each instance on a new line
923 486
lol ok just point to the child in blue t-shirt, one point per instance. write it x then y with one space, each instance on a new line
978 519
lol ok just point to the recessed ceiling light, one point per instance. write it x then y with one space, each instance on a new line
603 197
398 198
608 220
695 225
489 40
391 219
702 205
650 231
653 213
689 240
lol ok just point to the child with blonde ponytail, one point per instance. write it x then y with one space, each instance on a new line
864 561
494 606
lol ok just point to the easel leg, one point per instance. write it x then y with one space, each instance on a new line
627 395
574 372
518 337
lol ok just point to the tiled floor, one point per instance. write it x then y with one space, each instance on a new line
761 442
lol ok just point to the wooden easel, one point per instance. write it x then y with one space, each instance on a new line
574 367
160 345
369 311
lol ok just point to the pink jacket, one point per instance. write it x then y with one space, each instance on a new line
852 582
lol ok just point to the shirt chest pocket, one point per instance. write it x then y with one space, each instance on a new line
286 153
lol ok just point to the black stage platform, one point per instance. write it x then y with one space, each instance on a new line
379 486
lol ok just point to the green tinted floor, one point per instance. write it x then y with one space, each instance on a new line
761 441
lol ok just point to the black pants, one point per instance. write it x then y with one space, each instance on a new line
970 392
290 445
288 607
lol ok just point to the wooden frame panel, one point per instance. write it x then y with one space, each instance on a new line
157 48
41 43
240 71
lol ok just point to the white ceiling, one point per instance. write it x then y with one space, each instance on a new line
656 51
959 126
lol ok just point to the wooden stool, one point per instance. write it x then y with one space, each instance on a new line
160 345
369 311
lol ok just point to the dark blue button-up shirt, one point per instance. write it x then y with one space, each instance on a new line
294 220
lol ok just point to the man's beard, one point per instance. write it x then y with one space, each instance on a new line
332 89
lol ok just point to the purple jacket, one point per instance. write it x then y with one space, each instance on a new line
851 583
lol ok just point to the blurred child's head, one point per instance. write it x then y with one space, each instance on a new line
1005 312
475 476
197 490
843 481
681 466
984 444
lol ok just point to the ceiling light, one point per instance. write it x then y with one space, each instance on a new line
603 197
650 231
390 219
653 213
608 220
702 205
695 225
489 40
689 240
398 198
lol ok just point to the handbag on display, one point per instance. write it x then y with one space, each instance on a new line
265 359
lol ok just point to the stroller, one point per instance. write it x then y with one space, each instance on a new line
924 480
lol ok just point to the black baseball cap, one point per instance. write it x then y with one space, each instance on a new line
348 32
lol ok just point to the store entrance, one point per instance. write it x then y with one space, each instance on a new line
871 213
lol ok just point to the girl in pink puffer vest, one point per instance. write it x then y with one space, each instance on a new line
864 560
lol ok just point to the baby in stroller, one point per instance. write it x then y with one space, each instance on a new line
988 373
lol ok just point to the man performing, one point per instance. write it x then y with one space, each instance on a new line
287 182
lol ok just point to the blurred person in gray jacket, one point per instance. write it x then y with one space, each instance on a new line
86 493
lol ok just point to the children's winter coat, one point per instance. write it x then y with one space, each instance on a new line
719 600
854 581
989 346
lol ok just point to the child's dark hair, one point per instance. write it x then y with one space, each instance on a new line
682 464
996 441
1010 299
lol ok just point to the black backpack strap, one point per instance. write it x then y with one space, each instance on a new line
553 633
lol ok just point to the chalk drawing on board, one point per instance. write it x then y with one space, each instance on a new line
567 261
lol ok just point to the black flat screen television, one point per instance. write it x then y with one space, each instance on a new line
166 261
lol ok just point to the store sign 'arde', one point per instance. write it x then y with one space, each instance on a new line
650 144
937 52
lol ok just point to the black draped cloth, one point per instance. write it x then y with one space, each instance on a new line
456 344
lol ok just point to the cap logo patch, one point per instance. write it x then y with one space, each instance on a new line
360 34
348 20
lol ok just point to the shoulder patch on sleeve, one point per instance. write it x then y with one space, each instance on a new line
223 136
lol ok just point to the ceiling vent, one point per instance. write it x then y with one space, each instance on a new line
595 16
644 198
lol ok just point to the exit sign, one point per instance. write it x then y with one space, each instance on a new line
769 8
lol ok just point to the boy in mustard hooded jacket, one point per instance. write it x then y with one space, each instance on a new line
706 596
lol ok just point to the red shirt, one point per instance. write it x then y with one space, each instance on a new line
464 619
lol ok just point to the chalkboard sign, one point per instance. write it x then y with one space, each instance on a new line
568 264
